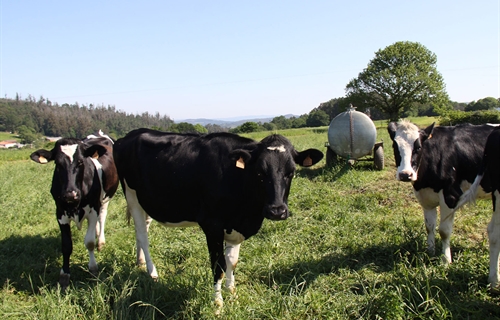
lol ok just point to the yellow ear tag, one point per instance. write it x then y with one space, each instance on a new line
95 155
430 136
240 163
42 159
307 162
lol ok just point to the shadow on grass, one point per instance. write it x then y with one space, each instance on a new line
405 268
31 264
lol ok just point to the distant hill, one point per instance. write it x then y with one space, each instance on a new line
232 122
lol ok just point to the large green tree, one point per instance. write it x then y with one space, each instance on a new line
400 75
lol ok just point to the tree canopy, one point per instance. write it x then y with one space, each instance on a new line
399 76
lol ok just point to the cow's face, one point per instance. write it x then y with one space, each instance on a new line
71 158
272 167
407 140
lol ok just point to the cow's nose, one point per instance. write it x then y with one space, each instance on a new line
405 176
71 196
277 212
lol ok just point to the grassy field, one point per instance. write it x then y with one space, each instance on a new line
354 248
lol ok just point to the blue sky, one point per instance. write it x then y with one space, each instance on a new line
226 59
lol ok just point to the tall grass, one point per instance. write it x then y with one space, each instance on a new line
354 248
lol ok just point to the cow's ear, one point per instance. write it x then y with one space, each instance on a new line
427 132
240 157
41 156
308 157
391 128
95 151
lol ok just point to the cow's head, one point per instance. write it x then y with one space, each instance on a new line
407 140
72 158
272 167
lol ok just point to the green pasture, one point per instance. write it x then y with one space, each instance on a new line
353 248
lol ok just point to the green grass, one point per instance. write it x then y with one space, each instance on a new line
354 248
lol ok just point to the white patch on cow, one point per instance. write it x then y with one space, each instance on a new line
101 134
280 148
98 167
64 219
69 150
406 135
234 237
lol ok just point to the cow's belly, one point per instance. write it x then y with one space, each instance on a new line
168 211
180 224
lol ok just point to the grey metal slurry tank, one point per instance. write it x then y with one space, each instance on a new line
352 135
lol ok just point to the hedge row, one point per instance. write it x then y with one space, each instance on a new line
452 118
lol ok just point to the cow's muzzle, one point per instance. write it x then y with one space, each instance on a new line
406 176
71 197
276 212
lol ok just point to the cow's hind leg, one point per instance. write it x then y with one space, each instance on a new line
494 239
141 222
101 239
90 240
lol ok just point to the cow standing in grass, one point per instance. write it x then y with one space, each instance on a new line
224 183
84 180
441 163
488 179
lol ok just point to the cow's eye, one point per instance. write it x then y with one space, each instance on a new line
80 163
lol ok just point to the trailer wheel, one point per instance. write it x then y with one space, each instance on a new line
378 157
331 158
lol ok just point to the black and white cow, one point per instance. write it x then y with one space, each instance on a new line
84 180
488 179
224 183
442 163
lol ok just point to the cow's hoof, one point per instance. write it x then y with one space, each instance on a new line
94 270
231 289
495 289
100 246
446 261
64 281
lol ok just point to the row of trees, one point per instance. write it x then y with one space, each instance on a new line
402 80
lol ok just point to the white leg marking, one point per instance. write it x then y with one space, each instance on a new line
429 200
103 212
447 217
90 239
141 222
494 238
232 254
430 216
218 294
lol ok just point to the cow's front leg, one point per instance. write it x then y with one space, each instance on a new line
215 242
430 217
494 239
445 229
67 249
90 240
232 255
101 239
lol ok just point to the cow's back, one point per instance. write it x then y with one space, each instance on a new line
180 175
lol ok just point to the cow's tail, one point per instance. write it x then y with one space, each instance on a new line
470 195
